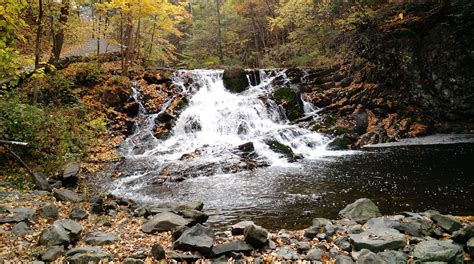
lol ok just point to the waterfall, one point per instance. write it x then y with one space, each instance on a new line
211 127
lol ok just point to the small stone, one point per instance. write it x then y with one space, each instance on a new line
310 233
256 236
343 260
303 246
49 210
100 238
21 228
238 229
69 177
314 254
52 253
286 253
321 236
67 195
158 252
78 214
97 204
233 246
369 257
41 182
446 222
470 246
188 257
321 222
197 238
132 261
360 211
393 256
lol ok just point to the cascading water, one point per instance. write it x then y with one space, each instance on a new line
212 127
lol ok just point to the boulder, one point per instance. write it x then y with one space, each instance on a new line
314 254
283 149
78 214
247 147
67 195
49 210
290 101
341 142
198 216
360 211
97 204
446 222
233 246
464 234
470 246
378 239
132 261
197 238
392 256
61 232
343 260
85 255
158 252
256 236
235 79
184 257
100 238
69 176
436 250
368 257
21 228
41 182
52 253
163 222
238 229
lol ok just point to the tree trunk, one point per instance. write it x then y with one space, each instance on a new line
219 38
58 38
39 30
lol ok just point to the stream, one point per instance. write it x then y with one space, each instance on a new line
281 194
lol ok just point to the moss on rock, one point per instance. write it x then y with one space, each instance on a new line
235 79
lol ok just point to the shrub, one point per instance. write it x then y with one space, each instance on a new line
88 74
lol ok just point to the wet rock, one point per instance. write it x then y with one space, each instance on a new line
67 195
360 211
256 236
290 101
446 222
21 228
41 182
100 238
320 222
49 210
368 257
97 204
395 257
61 232
286 253
464 234
247 147
166 221
158 252
52 253
343 260
235 79
197 238
69 176
233 246
314 254
339 143
238 229
378 239
132 261
198 216
78 214
470 246
435 250
311 233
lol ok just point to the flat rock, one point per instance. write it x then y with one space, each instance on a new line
49 210
188 257
360 211
378 239
100 238
464 234
19 215
447 222
197 238
163 222
85 258
344 260
238 229
470 246
256 236
52 253
368 257
196 215
233 246
78 214
67 195
61 232
132 261
286 253
69 176
82 250
435 250
392 256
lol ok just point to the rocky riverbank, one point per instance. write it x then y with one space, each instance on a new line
67 226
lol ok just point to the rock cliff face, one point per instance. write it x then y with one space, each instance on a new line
405 78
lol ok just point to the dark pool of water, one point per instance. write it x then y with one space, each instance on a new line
397 179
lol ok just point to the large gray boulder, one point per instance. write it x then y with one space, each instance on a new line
436 250
197 238
164 222
447 222
238 229
256 236
67 195
235 79
61 232
378 239
360 211
41 182
158 252
100 238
